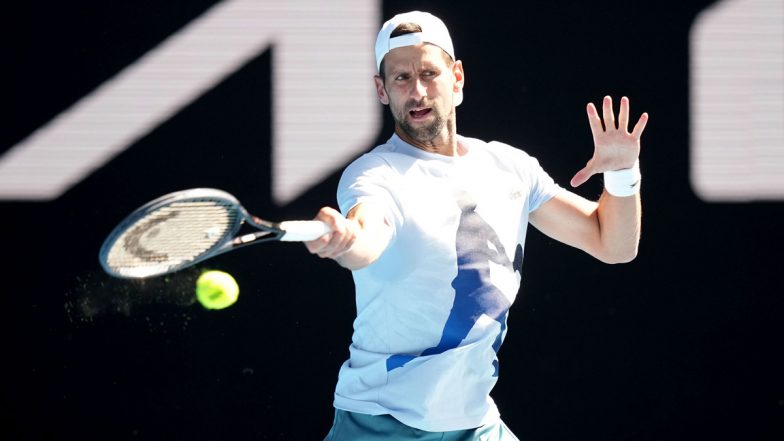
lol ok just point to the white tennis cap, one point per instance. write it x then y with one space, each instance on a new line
434 31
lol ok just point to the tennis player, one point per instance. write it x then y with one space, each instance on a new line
432 225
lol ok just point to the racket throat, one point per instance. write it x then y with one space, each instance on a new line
268 226
269 231
246 238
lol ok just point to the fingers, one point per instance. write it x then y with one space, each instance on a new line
607 113
594 120
583 175
608 117
640 126
339 241
623 115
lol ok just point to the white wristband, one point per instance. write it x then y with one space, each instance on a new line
624 182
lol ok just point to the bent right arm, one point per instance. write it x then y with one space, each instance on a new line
357 240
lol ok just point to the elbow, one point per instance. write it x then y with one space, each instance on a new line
626 258
617 257
353 264
356 261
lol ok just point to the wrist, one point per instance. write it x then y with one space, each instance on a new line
623 183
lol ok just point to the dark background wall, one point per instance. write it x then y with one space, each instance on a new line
683 343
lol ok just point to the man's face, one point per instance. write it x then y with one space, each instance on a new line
419 87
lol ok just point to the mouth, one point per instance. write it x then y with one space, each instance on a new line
419 113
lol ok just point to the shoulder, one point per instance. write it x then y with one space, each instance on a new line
387 158
497 148
374 161
378 165
505 154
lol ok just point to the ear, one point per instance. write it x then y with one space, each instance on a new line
457 89
380 91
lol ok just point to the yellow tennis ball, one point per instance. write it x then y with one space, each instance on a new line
216 290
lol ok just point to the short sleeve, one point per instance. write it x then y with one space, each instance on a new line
370 179
542 186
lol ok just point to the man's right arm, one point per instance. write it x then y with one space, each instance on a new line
357 240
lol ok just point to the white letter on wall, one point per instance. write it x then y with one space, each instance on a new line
737 101
324 107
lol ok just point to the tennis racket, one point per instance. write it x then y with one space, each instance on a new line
183 228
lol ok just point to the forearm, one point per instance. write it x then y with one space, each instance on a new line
357 240
619 221
372 237
607 229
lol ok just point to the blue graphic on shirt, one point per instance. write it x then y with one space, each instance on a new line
477 244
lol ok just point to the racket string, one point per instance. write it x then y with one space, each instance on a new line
169 236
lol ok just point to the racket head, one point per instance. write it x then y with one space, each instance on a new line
172 232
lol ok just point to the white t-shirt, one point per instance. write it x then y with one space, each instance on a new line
431 311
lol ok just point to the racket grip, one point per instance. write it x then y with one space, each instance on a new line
302 231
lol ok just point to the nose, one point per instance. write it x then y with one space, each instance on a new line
418 89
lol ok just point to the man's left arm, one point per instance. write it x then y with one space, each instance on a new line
610 228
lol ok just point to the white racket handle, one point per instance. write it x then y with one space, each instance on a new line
302 231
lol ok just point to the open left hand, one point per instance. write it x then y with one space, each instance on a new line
614 147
